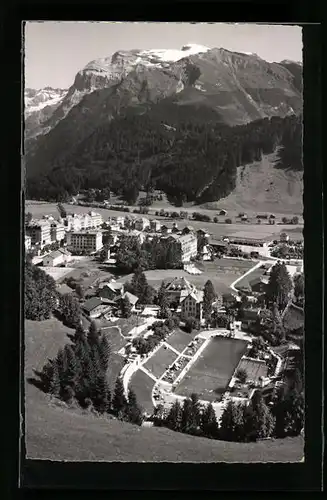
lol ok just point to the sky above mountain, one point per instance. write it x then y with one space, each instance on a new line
56 51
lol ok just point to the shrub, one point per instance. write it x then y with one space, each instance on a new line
242 375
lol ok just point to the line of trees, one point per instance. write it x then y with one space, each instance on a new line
79 374
40 293
151 254
239 422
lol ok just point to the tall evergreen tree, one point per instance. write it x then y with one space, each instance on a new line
70 374
298 285
54 386
100 393
279 285
125 307
232 422
133 412
70 310
79 335
119 401
191 416
162 296
104 352
174 417
263 421
208 298
209 424
93 335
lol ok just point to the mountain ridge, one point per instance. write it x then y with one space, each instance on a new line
197 95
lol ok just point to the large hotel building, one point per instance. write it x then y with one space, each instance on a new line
84 241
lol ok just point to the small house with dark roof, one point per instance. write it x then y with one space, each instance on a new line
133 299
262 216
187 230
111 290
97 306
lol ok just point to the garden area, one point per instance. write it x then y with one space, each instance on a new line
254 369
175 370
179 340
212 371
160 361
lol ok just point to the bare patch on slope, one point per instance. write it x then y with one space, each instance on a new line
262 187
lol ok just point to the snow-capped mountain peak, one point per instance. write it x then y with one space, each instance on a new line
35 100
172 55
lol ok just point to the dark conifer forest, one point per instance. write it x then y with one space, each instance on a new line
191 160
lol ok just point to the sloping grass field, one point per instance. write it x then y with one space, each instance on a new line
142 385
58 433
211 372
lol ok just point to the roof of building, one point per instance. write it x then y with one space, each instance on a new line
257 280
178 283
197 295
64 289
113 285
86 232
214 242
54 254
131 297
64 251
94 302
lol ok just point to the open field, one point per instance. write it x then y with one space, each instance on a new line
221 277
116 363
142 385
127 324
211 372
217 230
114 337
253 368
42 341
245 282
179 340
58 273
160 361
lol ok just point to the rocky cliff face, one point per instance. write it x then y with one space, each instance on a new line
39 107
239 87
232 88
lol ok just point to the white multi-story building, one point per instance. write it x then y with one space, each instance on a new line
73 223
57 231
39 231
192 305
95 219
155 225
84 241
187 244
28 242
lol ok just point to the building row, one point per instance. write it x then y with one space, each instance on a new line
43 232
